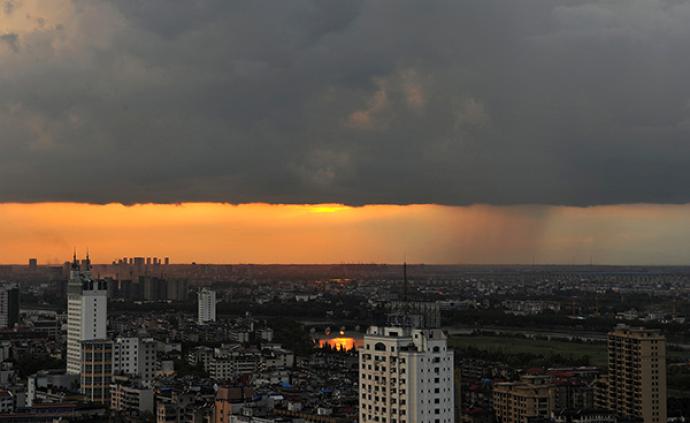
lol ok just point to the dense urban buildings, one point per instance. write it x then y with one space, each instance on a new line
298 343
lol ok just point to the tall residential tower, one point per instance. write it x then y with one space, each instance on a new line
405 376
637 374
9 305
207 306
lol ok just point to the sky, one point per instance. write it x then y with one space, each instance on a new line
541 122
333 233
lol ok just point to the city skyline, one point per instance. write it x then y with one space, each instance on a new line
360 211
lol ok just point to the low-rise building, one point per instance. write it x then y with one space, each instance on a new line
233 365
129 397
585 416
517 402
96 370
50 386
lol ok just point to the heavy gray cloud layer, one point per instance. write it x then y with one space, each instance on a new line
389 101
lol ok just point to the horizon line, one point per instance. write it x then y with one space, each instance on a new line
353 205
369 264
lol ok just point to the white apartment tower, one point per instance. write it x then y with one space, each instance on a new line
207 306
405 376
87 311
135 357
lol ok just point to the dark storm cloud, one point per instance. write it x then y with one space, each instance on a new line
10 40
454 102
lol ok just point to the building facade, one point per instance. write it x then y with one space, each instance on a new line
636 382
87 311
135 357
96 370
9 305
128 397
405 376
585 415
207 306
517 402
230 399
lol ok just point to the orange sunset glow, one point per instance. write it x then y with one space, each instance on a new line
341 343
332 233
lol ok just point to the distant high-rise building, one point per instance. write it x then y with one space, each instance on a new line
637 374
154 289
87 311
167 261
96 370
207 306
177 289
33 264
405 376
9 305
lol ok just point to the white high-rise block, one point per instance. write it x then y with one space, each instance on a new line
207 306
87 312
405 376
135 357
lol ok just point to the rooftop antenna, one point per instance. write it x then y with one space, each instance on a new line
75 263
88 259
